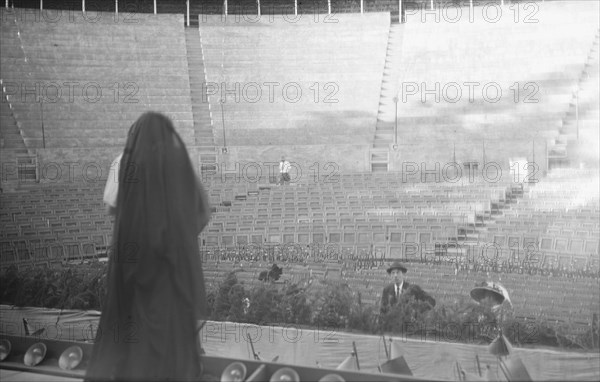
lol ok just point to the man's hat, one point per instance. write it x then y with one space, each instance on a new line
396 265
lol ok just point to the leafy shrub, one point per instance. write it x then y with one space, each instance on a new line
362 317
236 297
211 296
265 305
332 306
76 287
295 305
9 284
222 305
323 304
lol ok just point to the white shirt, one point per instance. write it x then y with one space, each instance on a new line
284 166
398 288
111 190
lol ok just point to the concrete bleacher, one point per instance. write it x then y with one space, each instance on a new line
324 74
356 215
547 69
47 226
247 8
88 90
568 205
359 216
338 231
535 62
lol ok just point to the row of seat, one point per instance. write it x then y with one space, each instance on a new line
337 46
547 61
41 55
410 242
67 13
338 220
51 253
249 8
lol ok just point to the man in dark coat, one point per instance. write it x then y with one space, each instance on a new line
400 287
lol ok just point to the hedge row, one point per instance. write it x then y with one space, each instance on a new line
323 304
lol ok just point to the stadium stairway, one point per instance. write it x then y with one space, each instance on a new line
9 132
18 163
474 232
577 142
554 223
203 117
384 129
13 53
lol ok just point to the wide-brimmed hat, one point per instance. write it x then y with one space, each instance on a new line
397 265
496 292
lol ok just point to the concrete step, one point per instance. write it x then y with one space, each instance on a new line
200 106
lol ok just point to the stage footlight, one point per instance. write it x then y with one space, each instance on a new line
5 348
332 378
70 358
285 374
234 372
396 366
35 354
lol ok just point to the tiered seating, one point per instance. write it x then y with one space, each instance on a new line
452 70
353 217
239 7
557 219
234 6
357 215
53 224
285 81
88 91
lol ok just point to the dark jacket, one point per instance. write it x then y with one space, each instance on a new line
388 297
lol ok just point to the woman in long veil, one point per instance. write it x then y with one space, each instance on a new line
156 293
